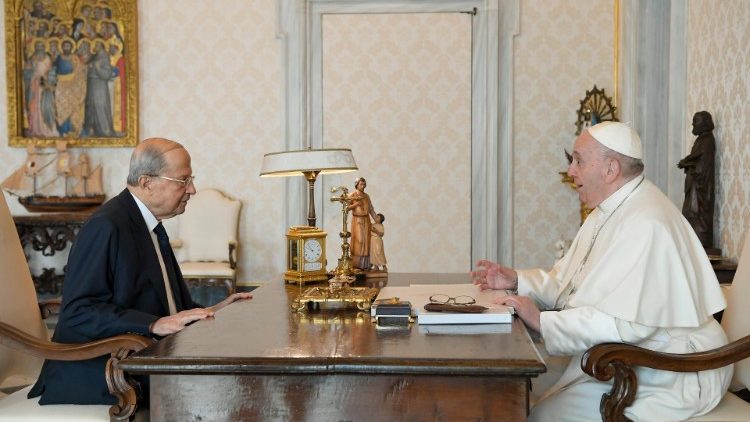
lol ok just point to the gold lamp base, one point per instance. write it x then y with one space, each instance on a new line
359 297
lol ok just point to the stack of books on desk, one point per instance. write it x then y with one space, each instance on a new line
419 295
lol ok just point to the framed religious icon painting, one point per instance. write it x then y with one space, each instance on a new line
72 68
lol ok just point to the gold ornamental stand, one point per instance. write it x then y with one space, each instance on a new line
344 273
339 290
359 297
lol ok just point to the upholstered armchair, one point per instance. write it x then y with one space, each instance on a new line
615 360
204 239
24 344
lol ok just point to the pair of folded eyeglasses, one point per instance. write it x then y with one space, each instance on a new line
444 303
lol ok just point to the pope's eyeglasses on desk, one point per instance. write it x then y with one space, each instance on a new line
444 299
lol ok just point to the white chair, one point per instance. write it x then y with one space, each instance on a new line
614 360
24 343
204 239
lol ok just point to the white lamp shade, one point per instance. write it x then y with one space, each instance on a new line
296 163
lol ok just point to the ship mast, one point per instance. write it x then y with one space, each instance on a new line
85 169
32 167
63 163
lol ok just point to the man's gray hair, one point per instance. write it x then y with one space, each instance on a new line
150 161
630 166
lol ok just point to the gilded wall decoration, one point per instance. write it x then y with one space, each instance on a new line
72 72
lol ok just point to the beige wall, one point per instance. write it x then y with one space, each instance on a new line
211 77
718 81
563 49
397 90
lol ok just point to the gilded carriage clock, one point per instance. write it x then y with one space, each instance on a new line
306 255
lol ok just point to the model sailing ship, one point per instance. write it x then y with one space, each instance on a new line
28 185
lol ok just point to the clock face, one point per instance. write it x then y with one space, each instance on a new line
313 250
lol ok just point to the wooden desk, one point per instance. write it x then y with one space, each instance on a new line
258 361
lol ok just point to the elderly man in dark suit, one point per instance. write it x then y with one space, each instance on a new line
122 276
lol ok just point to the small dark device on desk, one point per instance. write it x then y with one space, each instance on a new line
392 312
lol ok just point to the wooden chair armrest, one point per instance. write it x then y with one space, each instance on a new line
50 307
233 254
618 360
118 347
19 340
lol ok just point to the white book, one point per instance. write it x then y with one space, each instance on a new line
419 295
464 329
490 316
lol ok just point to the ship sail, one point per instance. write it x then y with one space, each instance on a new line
94 182
63 159
17 181
20 180
32 167
89 181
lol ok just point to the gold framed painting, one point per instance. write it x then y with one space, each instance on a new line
72 68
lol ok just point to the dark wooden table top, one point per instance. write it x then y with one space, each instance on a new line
263 336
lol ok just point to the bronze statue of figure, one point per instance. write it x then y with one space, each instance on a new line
362 209
698 207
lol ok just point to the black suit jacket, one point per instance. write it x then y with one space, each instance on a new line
113 285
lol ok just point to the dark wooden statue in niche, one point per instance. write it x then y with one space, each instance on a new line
698 207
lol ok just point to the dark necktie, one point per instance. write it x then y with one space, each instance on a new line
168 257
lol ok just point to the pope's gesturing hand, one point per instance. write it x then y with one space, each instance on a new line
491 275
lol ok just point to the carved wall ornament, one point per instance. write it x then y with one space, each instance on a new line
595 107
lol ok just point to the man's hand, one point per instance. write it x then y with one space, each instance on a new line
525 308
230 299
494 276
175 323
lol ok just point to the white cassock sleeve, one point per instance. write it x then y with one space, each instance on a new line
540 285
573 331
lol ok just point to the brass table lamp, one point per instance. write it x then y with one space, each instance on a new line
306 245
308 163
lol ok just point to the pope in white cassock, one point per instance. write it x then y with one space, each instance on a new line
635 273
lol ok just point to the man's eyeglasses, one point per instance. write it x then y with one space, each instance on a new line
185 182
444 299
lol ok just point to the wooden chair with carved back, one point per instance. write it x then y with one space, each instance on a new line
24 344
616 360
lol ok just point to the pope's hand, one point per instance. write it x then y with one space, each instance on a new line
525 308
491 275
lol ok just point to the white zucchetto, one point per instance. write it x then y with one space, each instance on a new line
618 137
